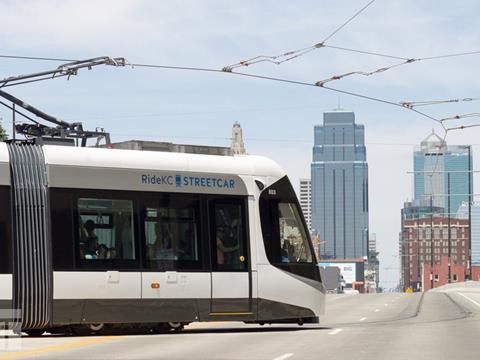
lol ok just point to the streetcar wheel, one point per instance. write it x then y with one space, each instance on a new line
88 329
161 328
35 332
175 326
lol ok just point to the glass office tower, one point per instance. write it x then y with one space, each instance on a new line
340 187
434 164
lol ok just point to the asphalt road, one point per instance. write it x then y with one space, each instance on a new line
442 324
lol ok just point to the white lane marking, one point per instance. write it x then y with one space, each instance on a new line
363 319
341 297
284 356
377 310
335 332
471 300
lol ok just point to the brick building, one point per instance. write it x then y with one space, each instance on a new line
420 254
476 273
440 273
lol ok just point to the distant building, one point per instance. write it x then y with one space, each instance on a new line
372 243
425 240
442 172
340 187
372 269
352 271
171 147
434 226
441 275
306 201
237 146
463 212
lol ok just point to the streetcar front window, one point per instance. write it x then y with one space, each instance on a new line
293 239
284 231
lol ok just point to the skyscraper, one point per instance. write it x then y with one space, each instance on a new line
306 201
340 187
435 226
440 171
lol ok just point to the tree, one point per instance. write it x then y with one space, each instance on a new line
3 133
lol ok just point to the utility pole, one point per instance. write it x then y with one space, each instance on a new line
418 253
470 199
449 232
431 242
13 122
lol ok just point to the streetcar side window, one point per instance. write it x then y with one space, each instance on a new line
171 232
106 230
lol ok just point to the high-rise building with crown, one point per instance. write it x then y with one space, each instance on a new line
340 187
443 173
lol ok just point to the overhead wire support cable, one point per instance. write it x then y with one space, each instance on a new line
347 22
290 55
365 52
475 52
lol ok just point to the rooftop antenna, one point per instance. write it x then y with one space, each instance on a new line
339 108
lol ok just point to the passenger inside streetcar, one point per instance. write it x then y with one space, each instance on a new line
91 240
224 253
162 248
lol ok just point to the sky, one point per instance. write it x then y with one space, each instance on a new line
277 118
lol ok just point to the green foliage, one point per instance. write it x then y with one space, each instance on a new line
3 133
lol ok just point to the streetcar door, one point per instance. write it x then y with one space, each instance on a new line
230 264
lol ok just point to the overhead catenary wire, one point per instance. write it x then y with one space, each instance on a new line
256 76
412 104
462 116
419 58
386 68
270 78
19 57
296 82
302 83
282 80
364 73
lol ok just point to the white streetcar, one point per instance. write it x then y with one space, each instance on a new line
94 237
